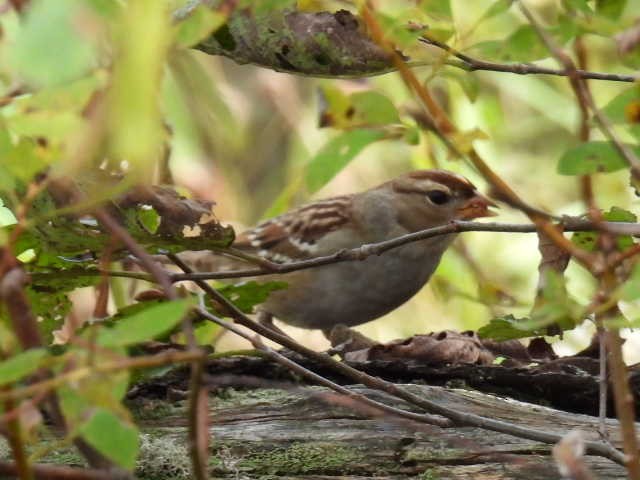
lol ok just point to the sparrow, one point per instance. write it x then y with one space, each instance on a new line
356 292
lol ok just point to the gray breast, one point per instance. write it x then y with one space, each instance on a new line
365 290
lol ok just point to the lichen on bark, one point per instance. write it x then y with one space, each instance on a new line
332 44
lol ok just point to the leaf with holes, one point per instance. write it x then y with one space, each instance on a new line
592 157
589 240
358 110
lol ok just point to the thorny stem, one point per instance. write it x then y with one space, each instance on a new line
197 418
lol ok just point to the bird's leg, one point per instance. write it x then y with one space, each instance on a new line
344 339
266 320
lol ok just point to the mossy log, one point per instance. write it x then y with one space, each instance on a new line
304 433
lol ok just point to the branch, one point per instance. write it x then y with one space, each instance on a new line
320 380
462 418
329 44
354 254
53 472
471 64
584 95
622 395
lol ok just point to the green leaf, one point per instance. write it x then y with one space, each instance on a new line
621 108
592 157
553 307
437 8
50 307
6 216
55 126
611 9
506 328
145 325
149 218
21 160
395 29
589 240
201 23
336 154
469 83
206 333
114 438
21 365
50 47
246 295
373 108
498 7
523 45
630 290
361 109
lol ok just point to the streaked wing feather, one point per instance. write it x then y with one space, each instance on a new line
294 235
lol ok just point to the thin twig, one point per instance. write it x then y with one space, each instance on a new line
588 197
320 380
471 64
55 472
357 253
150 361
461 418
118 231
608 283
582 91
198 417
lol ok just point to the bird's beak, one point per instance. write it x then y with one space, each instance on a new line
476 207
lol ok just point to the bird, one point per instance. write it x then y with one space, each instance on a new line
356 292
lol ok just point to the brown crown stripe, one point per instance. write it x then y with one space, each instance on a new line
451 180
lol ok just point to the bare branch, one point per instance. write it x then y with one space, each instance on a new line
471 64
357 253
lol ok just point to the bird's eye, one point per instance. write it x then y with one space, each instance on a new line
438 197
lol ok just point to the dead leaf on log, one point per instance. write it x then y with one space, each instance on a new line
447 347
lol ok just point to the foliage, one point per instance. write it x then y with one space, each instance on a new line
103 99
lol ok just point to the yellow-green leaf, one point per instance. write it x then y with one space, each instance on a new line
144 325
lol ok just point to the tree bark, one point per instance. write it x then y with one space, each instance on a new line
307 433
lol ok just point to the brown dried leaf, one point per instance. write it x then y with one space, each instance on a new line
435 348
